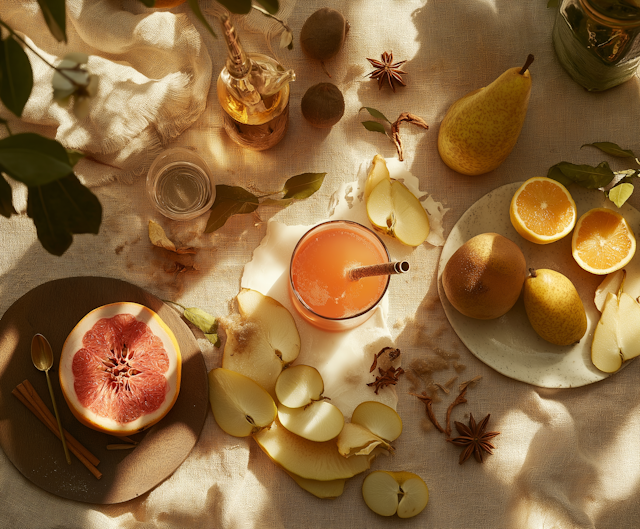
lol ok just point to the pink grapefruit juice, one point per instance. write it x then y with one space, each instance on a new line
320 265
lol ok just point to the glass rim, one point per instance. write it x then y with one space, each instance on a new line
297 295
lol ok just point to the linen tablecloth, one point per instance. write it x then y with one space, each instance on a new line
565 458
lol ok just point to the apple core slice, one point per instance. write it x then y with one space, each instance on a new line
381 490
379 419
240 406
377 173
319 421
299 385
357 440
322 489
395 211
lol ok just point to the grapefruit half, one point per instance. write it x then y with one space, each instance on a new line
120 369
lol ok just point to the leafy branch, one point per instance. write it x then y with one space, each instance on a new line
234 200
600 176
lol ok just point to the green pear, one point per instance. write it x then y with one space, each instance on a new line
554 307
480 129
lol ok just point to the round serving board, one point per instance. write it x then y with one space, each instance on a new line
509 344
53 309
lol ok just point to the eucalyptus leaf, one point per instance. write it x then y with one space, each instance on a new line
201 319
375 113
620 194
611 148
55 17
552 3
271 6
16 76
303 185
213 338
33 159
239 7
6 199
195 7
63 208
374 126
583 175
230 200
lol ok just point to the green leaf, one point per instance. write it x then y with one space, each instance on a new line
552 3
213 338
6 199
230 200
195 7
583 175
201 319
55 17
33 159
74 156
60 209
374 126
611 148
375 113
239 7
271 6
620 194
148 3
303 185
16 76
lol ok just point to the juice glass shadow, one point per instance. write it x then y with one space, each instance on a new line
319 286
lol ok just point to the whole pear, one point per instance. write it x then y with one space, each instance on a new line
480 129
554 307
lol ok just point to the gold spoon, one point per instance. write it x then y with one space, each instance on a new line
42 358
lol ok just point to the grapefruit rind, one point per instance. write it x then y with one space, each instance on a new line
520 224
74 343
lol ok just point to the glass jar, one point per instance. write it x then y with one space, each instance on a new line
598 41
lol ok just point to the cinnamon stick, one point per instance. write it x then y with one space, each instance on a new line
26 393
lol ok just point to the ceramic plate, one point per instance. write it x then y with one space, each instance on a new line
509 344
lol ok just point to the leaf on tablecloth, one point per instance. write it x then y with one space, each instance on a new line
611 148
159 238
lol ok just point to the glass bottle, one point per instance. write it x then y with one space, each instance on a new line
253 90
598 41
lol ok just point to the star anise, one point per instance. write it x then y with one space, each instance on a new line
388 70
474 439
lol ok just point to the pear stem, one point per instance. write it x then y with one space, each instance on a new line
526 64
532 272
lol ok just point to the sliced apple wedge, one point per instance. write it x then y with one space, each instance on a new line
628 326
298 386
322 489
264 340
379 419
356 440
240 406
319 421
605 351
377 173
308 459
381 490
611 283
395 211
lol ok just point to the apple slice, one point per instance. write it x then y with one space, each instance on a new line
395 211
611 283
377 173
298 386
379 419
240 406
628 327
605 350
356 440
319 421
381 490
264 340
322 489
307 459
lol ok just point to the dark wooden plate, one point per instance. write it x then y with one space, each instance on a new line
53 309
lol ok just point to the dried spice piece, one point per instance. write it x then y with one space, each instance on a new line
428 403
405 117
387 70
468 383
393 354
459 400
474 439
388 377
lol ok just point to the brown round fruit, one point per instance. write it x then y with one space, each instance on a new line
120 369
323 33
484 277
323 105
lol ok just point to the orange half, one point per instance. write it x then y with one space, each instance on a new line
542 210
602 242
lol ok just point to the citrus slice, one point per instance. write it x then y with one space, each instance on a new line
602 241
542 210
120 369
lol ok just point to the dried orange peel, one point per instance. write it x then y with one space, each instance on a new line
603 241
542 210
